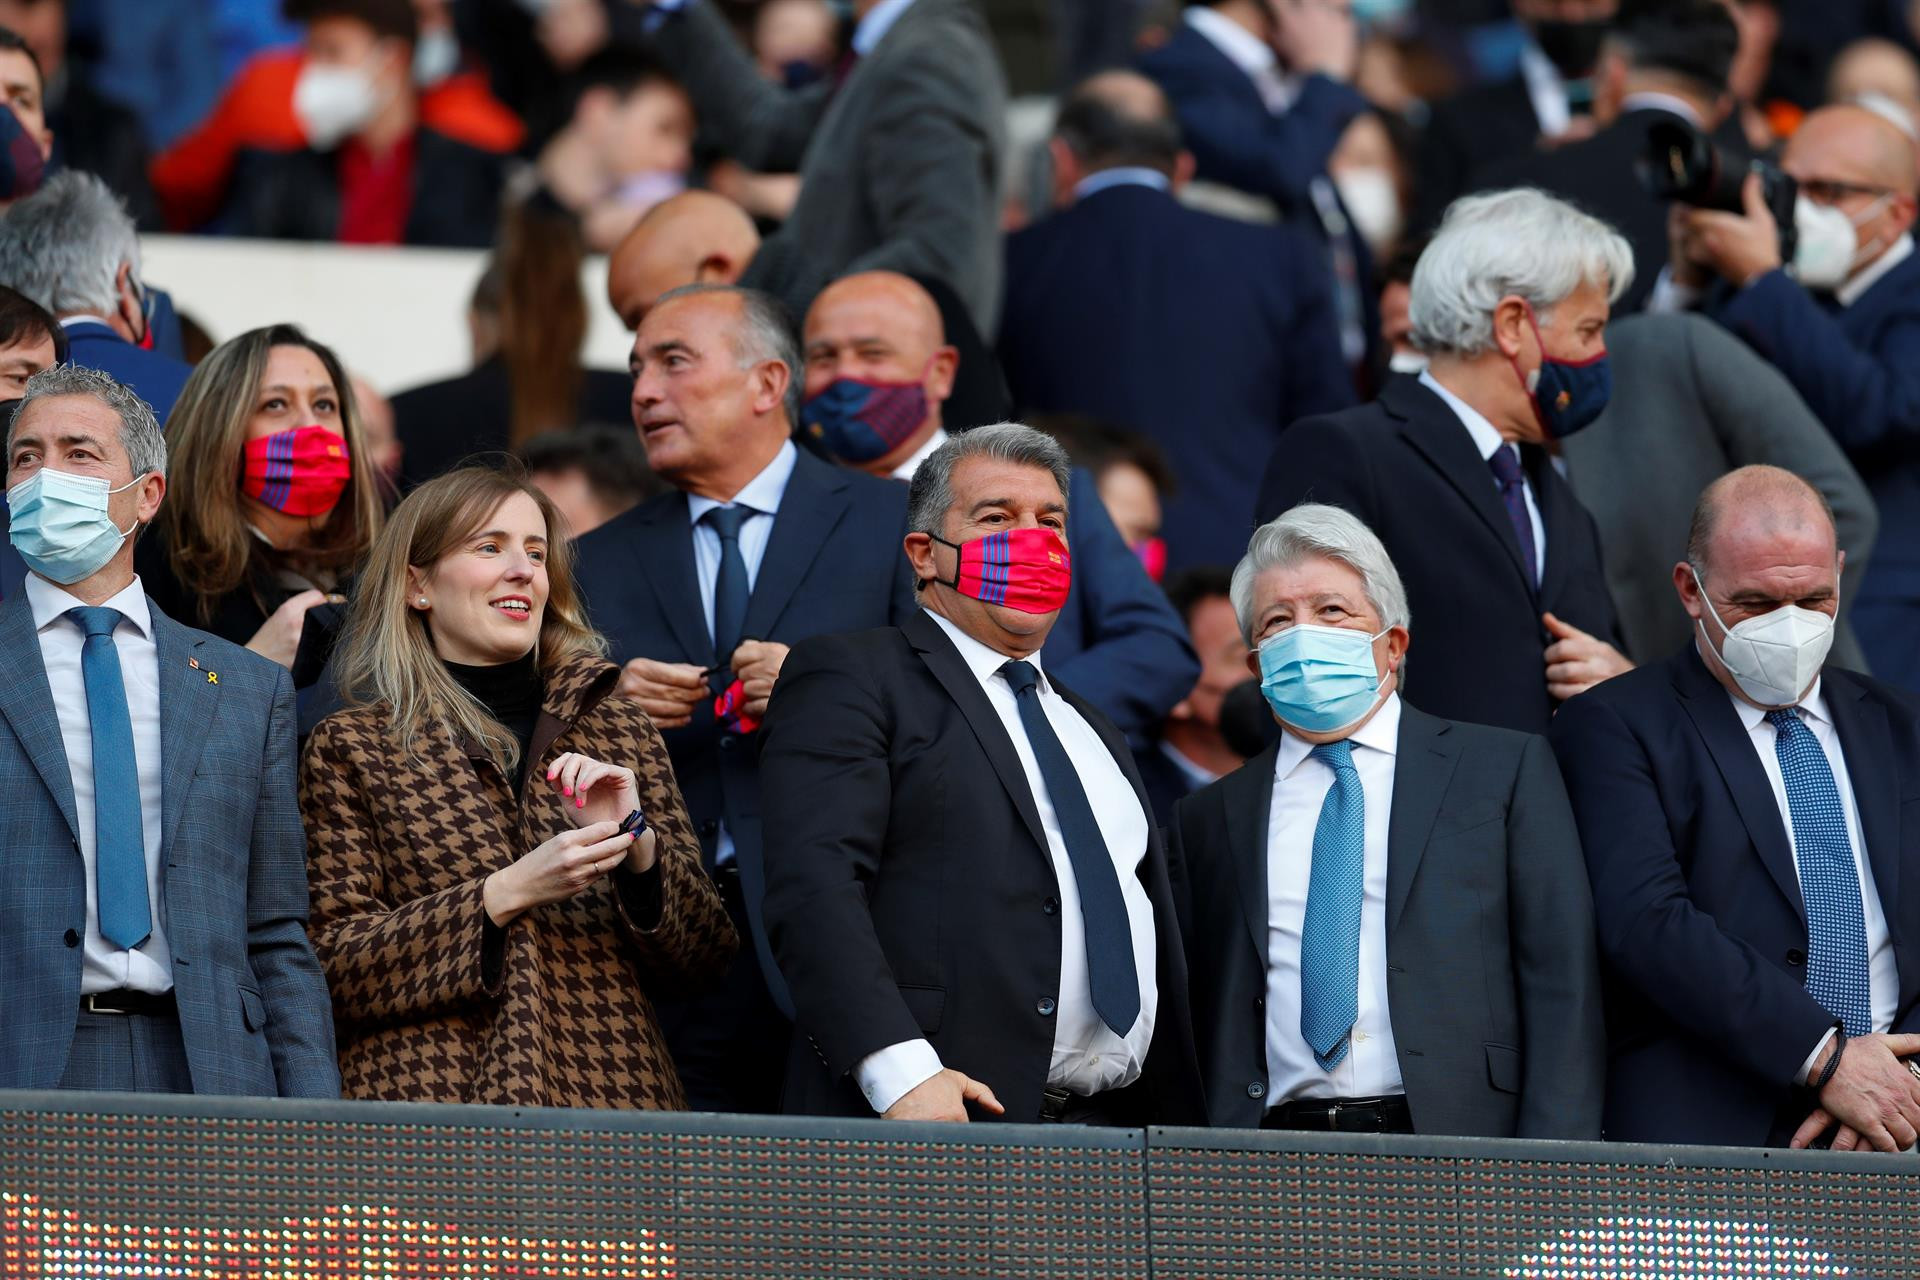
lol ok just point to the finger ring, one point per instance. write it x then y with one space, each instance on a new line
1913 1065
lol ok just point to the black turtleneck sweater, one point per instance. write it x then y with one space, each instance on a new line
511 692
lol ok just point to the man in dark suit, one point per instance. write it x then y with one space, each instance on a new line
1547 99
153 897
701 592
965 891
898 152
879 373
1665 66
1207 335
1449 470
1323 887
71 247
1751 838
1845 329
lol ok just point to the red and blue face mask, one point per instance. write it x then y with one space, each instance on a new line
1025 569
302 471
861 421
1567 394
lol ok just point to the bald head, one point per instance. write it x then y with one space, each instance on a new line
1759 507
891 302
1117 119
1877 66
877 327
1849 143
696 237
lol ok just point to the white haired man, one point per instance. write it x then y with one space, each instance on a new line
1342 890
1510 302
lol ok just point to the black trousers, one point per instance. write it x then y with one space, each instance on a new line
730 1042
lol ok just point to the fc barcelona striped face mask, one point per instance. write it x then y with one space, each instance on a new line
302 472
1025 569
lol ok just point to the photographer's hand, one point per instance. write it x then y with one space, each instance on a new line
1740 246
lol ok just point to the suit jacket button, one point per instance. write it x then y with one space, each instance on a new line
73 937
1795 956
1256 1091
1259 1002
1051 906
726 743
710 827
1044 1007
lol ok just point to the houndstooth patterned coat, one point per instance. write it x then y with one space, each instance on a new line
398 852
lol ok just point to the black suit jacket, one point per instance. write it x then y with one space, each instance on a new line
442 423
1702 928
910 892
833 563
1207 335
1466 133
1406 465
1493 983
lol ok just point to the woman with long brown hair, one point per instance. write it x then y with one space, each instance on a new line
503 874
272 500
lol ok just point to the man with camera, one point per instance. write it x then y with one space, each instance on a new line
1840 317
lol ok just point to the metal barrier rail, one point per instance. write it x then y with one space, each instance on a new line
99 1186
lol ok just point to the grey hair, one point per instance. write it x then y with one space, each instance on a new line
63 246
766 333
930 495
1522 242
139 432
1311 530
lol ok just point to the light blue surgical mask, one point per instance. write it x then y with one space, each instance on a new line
58 522
1319 679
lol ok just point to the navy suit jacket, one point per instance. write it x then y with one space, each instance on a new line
1703 933
1406 465
1206 334
833 563
1234 138
254 1010
155 378
1858 368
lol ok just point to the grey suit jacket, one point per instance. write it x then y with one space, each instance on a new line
1690 403
900 164
254 1010
1493 975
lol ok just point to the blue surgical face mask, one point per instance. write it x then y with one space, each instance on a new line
1319 679
58 522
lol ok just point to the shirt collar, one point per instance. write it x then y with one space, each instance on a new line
1812 707
983 661
1382 733
906 469
1486 437
50 601
1896 253
1667 102
1124 176
1244 49
1546 90
75 321
874 27
763 493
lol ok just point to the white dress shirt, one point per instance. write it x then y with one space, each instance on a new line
906 469
763 494
1546 90
104 967
1088 1057
1895 254
1371 1068
1487 439
1883 976
1246 51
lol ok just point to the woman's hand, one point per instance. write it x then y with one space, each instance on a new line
599 792
557 870
278 638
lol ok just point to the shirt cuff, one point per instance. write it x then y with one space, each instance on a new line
1669 295
1806 1068
887 1075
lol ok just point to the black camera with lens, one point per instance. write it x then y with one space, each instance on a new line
1681 163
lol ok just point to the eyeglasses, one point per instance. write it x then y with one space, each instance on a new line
1833 191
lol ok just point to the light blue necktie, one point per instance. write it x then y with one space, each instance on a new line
1330 937
1836 920
119 838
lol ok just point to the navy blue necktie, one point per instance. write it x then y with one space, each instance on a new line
1513 492
730 589
1837 974
1112 979
1330 934
119 838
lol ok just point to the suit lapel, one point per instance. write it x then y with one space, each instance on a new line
957 679
1710 708
1421 771
26 700
1247 794
815 499
1436 432
188 700
664 550
1868 744
1557 514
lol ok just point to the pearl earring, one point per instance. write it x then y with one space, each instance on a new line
423 602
